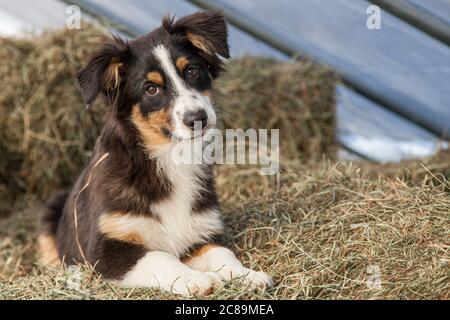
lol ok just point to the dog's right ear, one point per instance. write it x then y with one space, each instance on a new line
104 72
205 30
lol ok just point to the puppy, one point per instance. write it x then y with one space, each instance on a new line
134 214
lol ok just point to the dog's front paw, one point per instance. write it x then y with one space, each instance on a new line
259 279
196 284
254 279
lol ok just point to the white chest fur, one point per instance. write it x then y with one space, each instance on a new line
176 227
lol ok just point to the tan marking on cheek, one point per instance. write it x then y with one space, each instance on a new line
200 42
199 252
182 62
150 127
112 226
48 253
156 78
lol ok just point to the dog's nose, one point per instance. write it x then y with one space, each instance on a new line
191 117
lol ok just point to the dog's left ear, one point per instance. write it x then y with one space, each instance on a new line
207 31
103 74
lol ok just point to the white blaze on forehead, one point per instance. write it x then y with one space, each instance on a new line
163 55
187 99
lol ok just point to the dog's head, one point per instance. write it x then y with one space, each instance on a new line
161 82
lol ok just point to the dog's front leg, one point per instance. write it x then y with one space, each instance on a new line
214 258
157 269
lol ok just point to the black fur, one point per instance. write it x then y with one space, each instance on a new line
91 78
209 25
112 262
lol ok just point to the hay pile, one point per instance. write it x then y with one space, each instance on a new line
316 228
317 231
46 134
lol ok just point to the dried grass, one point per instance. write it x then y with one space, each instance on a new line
315 228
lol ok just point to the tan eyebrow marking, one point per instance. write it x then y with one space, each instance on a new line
182 63
156 78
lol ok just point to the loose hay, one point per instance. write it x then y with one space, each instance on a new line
317 230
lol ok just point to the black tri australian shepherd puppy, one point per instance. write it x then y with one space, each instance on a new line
134 214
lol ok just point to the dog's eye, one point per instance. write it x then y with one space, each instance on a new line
153 90
192 73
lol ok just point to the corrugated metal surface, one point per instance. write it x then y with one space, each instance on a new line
363 126
379 134
437 8
20 16
403 64
141 16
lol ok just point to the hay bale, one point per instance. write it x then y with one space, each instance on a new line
296 97
46 134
